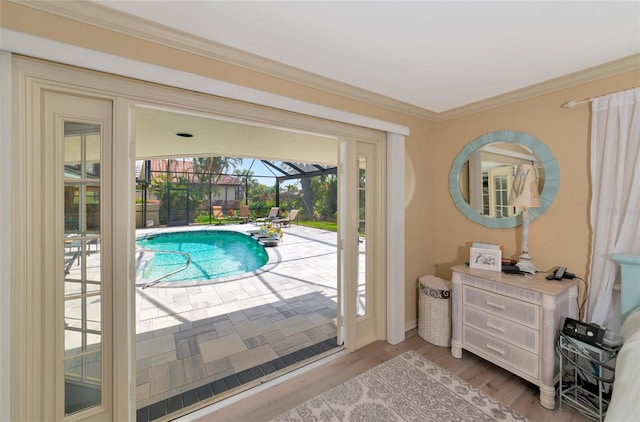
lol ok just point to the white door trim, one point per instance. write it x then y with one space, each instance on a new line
6 247
395 238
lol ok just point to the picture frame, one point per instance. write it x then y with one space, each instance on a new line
485 259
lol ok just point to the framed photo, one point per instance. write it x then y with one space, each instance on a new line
486 259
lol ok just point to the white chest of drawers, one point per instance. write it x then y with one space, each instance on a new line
512 322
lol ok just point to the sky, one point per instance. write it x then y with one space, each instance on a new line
258 168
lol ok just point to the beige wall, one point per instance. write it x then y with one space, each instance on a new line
437 235
562 234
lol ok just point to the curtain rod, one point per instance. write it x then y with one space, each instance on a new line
572 104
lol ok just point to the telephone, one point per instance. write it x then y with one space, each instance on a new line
560 273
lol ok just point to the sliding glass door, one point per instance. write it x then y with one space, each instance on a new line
83 292
359 232
75 197
74 328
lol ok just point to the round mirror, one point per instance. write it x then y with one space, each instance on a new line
481 176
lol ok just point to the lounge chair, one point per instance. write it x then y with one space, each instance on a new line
244 213
217 213
69 260
273 214
71 242
293 215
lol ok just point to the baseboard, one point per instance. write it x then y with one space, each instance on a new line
410 325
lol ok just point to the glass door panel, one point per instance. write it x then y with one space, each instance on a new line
82 281
362 238
499 183
359 272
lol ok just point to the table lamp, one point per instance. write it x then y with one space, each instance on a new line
524 195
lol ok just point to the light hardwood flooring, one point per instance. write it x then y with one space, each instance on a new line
502 385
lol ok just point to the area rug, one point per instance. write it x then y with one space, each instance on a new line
406 388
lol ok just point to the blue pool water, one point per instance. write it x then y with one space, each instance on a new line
214 254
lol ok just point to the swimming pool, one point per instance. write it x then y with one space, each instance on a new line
214 254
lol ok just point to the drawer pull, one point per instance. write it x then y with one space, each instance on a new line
494 349
498 329
495 305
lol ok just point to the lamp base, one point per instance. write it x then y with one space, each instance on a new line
526 264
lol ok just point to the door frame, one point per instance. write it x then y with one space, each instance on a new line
184 222
14 143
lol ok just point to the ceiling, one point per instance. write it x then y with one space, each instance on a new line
156 130
435 55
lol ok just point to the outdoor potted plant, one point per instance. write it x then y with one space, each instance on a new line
271 231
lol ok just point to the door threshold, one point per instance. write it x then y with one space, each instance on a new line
231 388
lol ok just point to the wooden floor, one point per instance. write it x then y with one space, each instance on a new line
502 385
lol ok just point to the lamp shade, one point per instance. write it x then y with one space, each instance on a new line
524 191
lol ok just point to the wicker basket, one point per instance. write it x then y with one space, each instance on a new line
434 324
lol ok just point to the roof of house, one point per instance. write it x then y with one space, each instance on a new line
185 167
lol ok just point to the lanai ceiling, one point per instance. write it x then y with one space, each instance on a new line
156 138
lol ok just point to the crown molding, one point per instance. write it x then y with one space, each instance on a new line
96 15
591 74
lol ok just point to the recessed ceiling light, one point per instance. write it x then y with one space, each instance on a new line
184 134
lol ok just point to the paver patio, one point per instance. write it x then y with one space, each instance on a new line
197 334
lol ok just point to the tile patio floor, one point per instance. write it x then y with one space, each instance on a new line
194 335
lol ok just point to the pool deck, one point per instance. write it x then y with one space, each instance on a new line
191 335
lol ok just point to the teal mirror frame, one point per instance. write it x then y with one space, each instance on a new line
538 148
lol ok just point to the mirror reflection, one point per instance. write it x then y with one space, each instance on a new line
482 173
486 177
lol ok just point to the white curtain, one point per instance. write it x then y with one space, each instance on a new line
615 201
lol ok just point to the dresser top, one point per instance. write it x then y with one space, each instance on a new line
537 283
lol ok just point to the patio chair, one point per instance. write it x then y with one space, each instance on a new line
273 214
71 242
217 213
69 260
285 222
244 213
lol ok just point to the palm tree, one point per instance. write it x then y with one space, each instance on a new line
208 167
308 196
209 170
249 183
